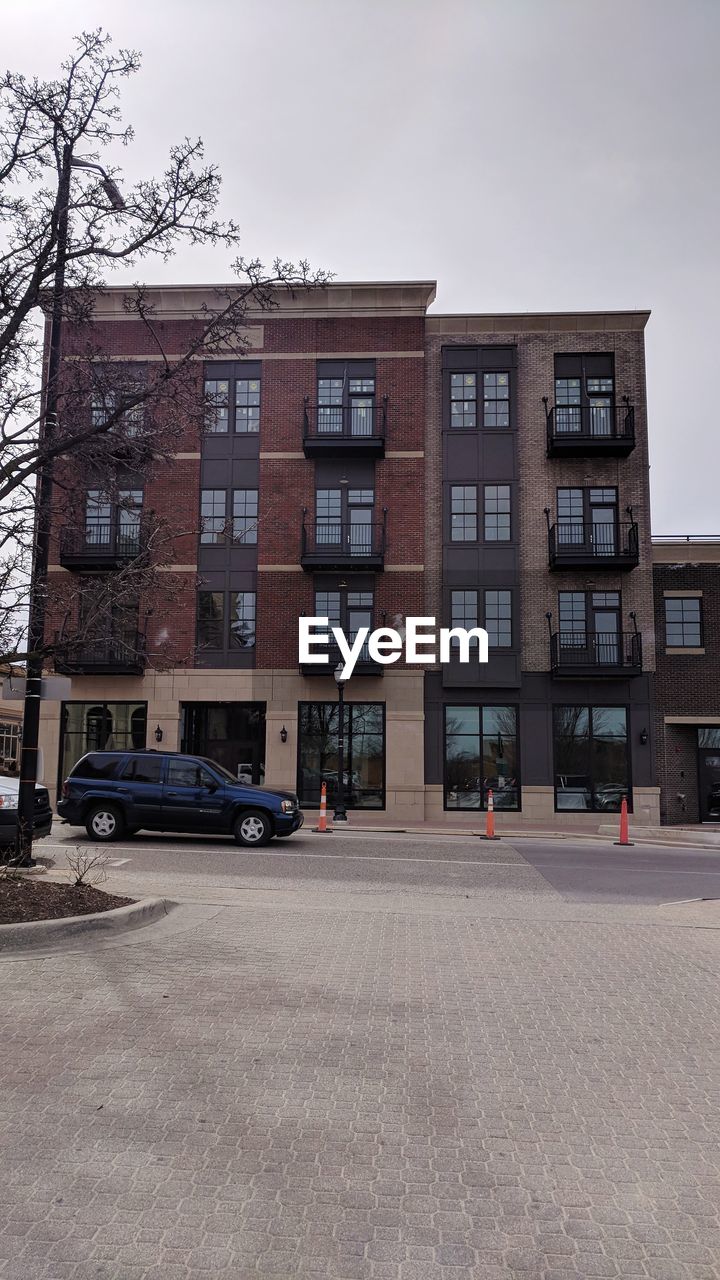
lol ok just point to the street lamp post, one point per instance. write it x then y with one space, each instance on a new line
340 814
38 582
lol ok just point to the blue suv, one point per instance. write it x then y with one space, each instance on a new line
117 793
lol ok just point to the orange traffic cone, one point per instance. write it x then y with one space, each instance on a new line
624 827
322 826
490 819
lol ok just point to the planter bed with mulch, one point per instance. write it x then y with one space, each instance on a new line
23 898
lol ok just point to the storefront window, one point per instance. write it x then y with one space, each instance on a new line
592 768
481 756
364 753
709 736
100 726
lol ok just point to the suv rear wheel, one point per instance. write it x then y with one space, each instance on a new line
252 827
104 822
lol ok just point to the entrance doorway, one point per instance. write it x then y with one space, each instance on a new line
232 733
709 782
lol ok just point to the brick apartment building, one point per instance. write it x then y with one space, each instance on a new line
371 460
687 621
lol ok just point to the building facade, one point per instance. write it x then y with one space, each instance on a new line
687 623
366 461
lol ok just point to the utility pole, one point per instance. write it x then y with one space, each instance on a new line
41 550
38 585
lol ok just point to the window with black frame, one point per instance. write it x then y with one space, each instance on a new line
592 763
363 753
481 755
683 622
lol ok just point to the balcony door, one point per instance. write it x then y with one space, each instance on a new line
588 520
346 398
589 626
584 395
344 519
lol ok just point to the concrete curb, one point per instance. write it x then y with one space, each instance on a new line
40 933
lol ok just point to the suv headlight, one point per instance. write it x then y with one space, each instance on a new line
287 806
8 802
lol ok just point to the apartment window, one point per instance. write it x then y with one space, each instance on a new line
350 610
330 406
217 396
346 398
584 394
245 516
592 768
363 753
212 516
496 400
683 622
247 405
129 513
497 512
463 401
498 619
98 518
242 619
463 513
328 506
211 619
105 404
481 755
464 610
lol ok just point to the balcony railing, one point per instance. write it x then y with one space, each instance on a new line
99 546
603 653
589 545
576 429
122 655
365 665
339 544
354 430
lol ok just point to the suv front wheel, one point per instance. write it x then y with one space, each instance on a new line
104 822
252 827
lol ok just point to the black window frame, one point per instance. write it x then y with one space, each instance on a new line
590 707
697 598
226 621
497 514
481 706
233 373
366 702
464 514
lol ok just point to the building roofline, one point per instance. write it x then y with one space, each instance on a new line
536 321
337 298
701 548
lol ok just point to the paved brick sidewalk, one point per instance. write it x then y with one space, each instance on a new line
348 1093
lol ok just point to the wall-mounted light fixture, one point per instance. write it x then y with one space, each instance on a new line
643 737
283 734
158 734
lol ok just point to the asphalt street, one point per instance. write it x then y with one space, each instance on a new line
582 871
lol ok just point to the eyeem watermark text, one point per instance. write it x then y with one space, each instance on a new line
421 643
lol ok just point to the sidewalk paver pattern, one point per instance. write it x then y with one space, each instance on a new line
353 1093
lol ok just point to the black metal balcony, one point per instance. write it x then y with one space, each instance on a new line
123 655
339 544
593 546
365 665
350 431
100 546
581 654
574 430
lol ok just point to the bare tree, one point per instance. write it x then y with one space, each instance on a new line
107 415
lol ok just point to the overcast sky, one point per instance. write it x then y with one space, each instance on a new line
530 155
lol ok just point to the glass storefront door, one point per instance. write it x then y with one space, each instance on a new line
232 733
